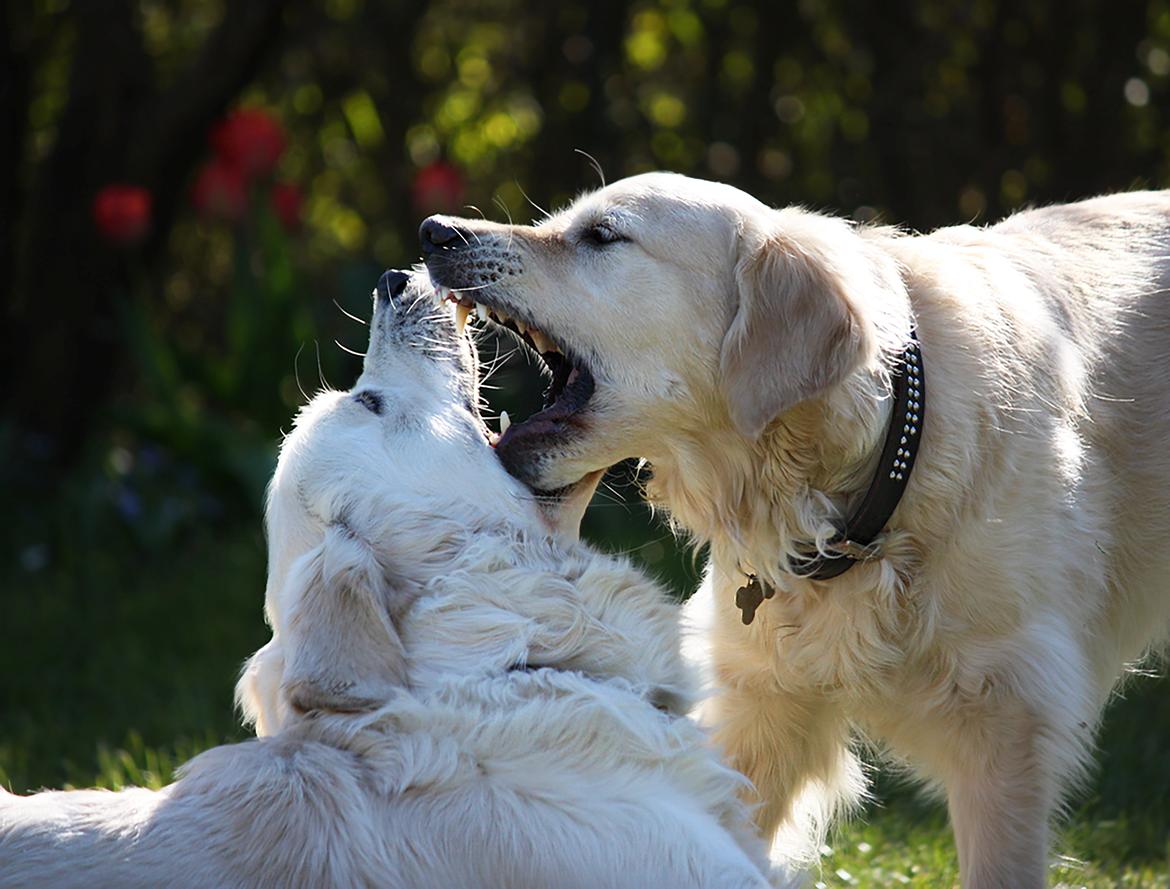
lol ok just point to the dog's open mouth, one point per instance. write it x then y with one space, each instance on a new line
571 383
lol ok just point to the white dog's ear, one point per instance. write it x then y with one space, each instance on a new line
797 330
341 649
258 689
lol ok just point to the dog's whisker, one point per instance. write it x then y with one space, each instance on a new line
473 287
344 348
463 236
297 372
507 213
594 162
320 370
349 315
544 213
419 298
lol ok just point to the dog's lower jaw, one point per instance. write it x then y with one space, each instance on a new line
547 467
564 512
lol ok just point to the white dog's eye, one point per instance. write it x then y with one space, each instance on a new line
603 233
372 401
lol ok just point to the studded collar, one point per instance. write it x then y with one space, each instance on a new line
856 536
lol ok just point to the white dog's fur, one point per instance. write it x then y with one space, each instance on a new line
746 353
409 577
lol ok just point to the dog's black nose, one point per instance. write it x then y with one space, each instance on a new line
437 234
392 283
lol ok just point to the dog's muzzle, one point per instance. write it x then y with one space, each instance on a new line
437 234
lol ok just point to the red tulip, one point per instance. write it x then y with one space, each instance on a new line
219 191
438 188
249 139
122 213
286 204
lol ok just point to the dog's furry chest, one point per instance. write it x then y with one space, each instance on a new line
841 644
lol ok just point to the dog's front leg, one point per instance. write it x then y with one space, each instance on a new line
1003 761
1000 801
795 750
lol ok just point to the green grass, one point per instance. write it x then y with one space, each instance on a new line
117 667
114 667
1117 834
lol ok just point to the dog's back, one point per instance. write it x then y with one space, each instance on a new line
1102 266
1064 373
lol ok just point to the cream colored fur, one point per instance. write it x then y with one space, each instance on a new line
409 577
746 352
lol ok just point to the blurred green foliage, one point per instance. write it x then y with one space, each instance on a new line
148 385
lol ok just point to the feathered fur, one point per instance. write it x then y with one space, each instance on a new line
745 352
453 695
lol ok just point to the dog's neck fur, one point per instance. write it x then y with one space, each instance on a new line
758 503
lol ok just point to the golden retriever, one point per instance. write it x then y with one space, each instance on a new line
454 696
748 354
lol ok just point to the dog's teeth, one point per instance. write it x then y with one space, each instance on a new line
481 312
505 422
543 343
461 313
444 293
520 326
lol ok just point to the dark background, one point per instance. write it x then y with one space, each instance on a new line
149 365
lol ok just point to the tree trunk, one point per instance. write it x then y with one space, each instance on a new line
66 284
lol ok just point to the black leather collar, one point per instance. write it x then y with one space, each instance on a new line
855 538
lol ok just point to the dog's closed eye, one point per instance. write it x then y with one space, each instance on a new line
372 401
602 234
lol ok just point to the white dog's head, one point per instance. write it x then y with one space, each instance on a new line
666 306
400 551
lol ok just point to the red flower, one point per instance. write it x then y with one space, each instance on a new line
122 213
219 191
286 204
249 139
438 188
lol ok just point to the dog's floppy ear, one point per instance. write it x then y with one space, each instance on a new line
797 330
341 649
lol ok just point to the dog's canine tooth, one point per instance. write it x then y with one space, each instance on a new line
505 422
543 343
520 325
461 313
481 312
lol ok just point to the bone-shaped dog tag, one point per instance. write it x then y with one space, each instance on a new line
749 596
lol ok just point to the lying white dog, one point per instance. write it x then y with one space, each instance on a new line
452 697
754 357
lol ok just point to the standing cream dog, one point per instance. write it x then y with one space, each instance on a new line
747 353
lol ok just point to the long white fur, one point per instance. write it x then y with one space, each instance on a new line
408 575
745 352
